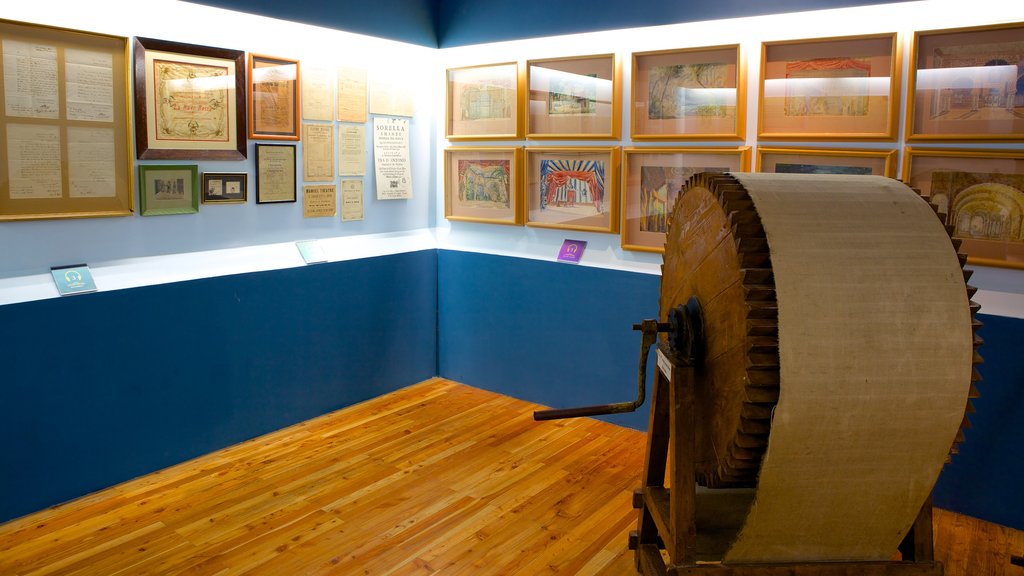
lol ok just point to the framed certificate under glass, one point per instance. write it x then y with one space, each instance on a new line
483 185
275 173
574 98
826 161
273 98
573 188
167 189
484 102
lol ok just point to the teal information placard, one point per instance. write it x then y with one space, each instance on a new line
311 251
75 279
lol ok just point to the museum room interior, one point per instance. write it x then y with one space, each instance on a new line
315 345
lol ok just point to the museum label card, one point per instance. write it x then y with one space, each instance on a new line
75 279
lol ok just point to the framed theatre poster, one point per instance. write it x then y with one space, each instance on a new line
652 179
484 102
981 194
688 94
225 187
65 148
834 88
273 98
574 98
189 101
275 173
826 161
967 84
483 185
573 188
167 189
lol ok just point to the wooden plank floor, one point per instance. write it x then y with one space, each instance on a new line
437 478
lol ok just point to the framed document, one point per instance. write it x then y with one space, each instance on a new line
483 185
967 84
273 98
981 194
826 161
189 101
65 146
696 93
652 178
573 188
225 187
574 98
484 102
275 173
830 89
167 189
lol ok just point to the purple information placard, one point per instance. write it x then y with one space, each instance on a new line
572 251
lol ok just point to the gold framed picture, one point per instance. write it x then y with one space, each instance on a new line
967 84
273 98
483 185
844 88
651 180
981 194
826 161
484 102
573 188
692 93
574 98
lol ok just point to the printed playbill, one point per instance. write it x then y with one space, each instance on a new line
318 152
351 200
317 93
352 150
391 158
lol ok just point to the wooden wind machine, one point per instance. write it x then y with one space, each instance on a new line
815 368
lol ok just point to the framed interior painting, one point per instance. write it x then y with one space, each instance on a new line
275 173
652 178
168 189
225 187
826 161
189 101
981 193
573 188
574 98
834 88
967 84
483 185
694 93
484 102
65 144
273 98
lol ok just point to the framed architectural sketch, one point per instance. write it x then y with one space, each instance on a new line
225 187
981 193
65 145
826 161
574 98
967 84
484 102
573 188
834 88
167 189
189 101
695 93
483 185
275 173
273 98
652 178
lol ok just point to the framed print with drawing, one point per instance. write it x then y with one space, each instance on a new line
967 84
981 193
225 187
573 188
484 102
189 101
168 189
652 178
826 161
483 185
688 94
273 98
573 98
830 89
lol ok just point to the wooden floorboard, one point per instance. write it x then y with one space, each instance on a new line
437 478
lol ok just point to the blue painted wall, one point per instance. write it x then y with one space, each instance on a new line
100 388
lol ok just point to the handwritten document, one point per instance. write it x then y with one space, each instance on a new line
33 161
30 80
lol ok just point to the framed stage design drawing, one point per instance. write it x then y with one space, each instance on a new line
167 189
273 98
484 102
573 188
574 98
483 185
826 161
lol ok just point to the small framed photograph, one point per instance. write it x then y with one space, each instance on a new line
826 161
484 102
695 93
225 187
830 89
967 84
273 98
573 188
167 189
652 179
574 98
275 173
483 185
189 101
981 194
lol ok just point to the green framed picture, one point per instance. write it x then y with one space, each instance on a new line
168 189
